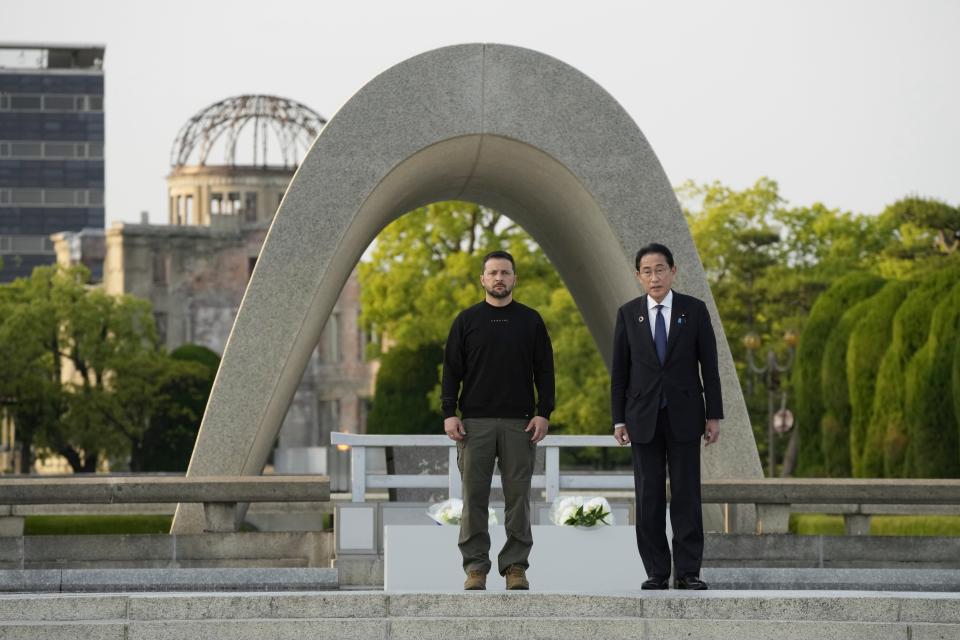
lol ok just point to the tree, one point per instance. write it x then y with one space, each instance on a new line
835 431
869 341
932 449
86 375
425 268
830 306
911 326
401 403
767 264
168 441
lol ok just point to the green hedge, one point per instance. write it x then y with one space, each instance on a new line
956 388
911 326
835 423
829 307
868 342
405 378
930 418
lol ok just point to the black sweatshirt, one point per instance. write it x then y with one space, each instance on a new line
498 353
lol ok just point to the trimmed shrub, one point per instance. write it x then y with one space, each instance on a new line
869 341
835 423
404 380
931 439
956 388
911 324
829 307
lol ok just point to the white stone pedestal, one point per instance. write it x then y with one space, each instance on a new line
566 559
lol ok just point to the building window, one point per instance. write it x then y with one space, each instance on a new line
329 421
216 203
332 335
188 210
160 320
234 204
159 269
250 206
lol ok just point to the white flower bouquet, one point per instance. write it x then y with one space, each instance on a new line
581 511
451 511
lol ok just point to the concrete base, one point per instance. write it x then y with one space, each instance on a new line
562 559
739 615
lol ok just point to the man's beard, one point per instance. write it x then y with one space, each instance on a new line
499 293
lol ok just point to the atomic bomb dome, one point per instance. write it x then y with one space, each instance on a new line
235 158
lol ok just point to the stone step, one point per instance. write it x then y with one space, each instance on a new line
191 579
739 615
946 580
500 628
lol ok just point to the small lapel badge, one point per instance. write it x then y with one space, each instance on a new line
641 319
682 320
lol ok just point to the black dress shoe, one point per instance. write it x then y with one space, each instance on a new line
656 583
692 583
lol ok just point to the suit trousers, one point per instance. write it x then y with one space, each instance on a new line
651 463
504 441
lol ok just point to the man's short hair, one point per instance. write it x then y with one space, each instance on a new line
503 255
654 247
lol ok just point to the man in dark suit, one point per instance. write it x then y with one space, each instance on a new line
665 395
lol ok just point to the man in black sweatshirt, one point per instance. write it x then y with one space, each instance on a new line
497 351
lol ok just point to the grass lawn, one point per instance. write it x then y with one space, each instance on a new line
813 524
95 525
115 525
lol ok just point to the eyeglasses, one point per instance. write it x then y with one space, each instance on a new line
646 274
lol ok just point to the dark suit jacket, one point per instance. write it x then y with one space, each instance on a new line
637 378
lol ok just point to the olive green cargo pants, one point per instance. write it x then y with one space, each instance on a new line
502 440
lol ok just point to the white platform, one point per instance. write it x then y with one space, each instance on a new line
563 559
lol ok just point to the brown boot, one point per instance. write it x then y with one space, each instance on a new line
516 577
476 581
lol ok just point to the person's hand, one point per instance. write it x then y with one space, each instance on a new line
454 428
621 436
539 425
711 433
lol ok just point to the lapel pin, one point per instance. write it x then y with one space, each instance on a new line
641 319
682 320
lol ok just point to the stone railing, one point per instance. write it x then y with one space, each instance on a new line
219 494
775 498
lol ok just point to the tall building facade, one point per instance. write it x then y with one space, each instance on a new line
51 149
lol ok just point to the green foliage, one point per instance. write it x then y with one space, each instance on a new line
919 233
932 449
956 388
911 325
835 423
168 442
844 294
404 380
767 264
425 269
85 376
96 525
821 524
869 341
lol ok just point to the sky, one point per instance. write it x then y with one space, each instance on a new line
846 102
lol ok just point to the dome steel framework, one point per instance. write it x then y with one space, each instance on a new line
292 125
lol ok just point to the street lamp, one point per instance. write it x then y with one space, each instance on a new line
777 421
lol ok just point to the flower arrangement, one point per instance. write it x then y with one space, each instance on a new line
451 511
580 511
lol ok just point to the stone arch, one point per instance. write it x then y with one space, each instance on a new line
503 126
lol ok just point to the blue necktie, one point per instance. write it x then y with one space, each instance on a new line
660 335
660 341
